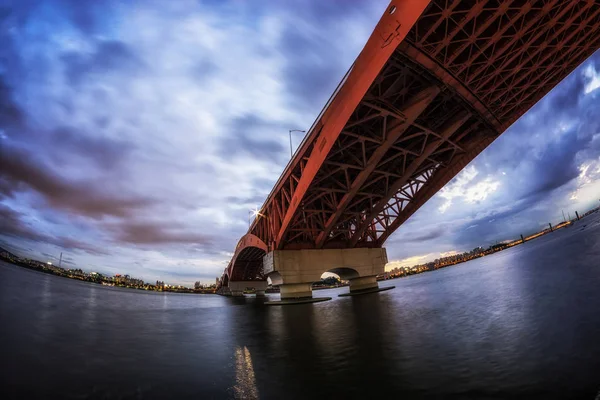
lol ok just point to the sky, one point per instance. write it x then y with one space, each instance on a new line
135 136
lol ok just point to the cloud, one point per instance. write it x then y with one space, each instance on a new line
20 170
106 56
13 225
408 262
155 234
593 77
250 142
464 186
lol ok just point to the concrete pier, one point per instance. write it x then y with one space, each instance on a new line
294 271
296 290
366 282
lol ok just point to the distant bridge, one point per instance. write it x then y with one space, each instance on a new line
436 83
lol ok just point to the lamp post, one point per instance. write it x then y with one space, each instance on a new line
253 214
290 131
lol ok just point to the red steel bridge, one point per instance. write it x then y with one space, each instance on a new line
435 84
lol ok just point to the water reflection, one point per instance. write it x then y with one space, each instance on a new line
44 311
245 382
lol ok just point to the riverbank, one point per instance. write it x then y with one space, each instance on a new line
97 278
479 252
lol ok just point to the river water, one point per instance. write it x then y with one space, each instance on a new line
523 323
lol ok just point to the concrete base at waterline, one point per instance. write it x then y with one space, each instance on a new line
363 283
295 291
289 302
366 291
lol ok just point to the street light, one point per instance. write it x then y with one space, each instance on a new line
290 131
253 214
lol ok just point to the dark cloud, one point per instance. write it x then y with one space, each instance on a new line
204 69
309 70
21 170
15 248
556 166
250 137
422 235
12 224
106 152
313 58
11 115
148 233
86 16
430 235
565 98
109 55
309 74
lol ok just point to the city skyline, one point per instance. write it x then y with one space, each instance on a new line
135 139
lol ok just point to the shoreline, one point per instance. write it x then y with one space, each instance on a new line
499 248
101 280
133 288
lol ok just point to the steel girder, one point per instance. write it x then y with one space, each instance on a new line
246 264
435 84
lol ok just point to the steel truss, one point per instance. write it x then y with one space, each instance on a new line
462 74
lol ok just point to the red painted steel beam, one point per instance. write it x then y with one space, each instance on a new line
524 51
557 53
480 30
472 13
447 78
496 37
445 134
411 112
444 15
392 28
433 185
544 86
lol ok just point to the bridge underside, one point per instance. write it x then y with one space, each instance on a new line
464 72
248 265
441 85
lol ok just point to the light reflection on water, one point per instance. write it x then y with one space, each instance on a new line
245 382
504 326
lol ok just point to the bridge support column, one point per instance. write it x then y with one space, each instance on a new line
363 283
294 271
224 291
296 291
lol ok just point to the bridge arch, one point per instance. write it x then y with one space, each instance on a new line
345 273
225 280
246 264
